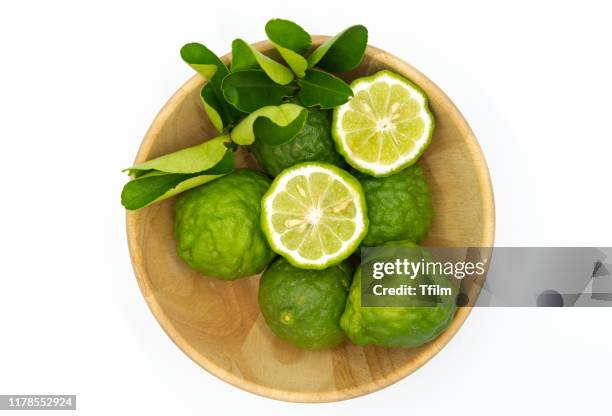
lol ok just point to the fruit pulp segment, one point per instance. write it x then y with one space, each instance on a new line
382 123
314 215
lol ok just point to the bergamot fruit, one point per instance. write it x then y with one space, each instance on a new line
217 226
420 319
399 206
314 215
313 143
385 127
304 307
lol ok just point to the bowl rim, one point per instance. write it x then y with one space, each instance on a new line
136 255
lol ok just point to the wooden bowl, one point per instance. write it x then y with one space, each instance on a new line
218 323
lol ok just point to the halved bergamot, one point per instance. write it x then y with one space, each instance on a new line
314 215
385 127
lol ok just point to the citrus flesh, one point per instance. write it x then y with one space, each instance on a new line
314 215
385 127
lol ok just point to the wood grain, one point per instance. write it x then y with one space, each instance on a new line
218 324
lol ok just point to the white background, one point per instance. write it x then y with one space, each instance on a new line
81 81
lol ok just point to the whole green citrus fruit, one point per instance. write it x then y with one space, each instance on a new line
304 306
313 143
410 325
217 227
399 206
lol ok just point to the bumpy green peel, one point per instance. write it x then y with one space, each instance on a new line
409 326
313 143
304 306
217 226
399 206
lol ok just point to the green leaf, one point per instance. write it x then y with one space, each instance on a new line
156 186
143 191
225 165
213 70
213 108
242 57
185 185
323 89
205 62
190 160
272 134
252 89
343 52
282 116
288 35
291 41
277 72
296 62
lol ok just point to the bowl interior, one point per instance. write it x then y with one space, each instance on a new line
218 323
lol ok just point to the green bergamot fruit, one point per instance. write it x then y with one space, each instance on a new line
313 143
217 227
304 306
418 320
399 206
